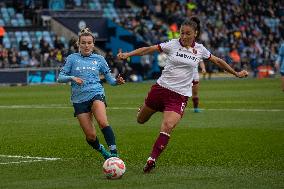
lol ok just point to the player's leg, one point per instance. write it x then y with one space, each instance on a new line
86 123
282 79
99 111
170 120
151 104
144 114
195 98
174 104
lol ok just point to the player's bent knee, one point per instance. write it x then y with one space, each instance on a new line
102 124
91 136
167 127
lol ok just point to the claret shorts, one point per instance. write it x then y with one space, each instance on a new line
163 99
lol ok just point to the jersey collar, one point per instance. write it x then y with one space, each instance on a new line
192 45
85 56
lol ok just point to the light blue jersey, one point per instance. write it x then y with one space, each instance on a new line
88 68
280 58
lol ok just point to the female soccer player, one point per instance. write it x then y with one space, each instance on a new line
87 93
170 94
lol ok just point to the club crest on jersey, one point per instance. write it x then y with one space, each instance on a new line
194 51
95 62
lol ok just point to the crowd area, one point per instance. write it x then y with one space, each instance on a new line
245 33
30 56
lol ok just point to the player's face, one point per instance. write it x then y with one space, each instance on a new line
187 35
86 45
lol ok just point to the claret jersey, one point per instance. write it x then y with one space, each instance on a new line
180 64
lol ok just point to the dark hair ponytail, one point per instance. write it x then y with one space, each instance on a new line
197 21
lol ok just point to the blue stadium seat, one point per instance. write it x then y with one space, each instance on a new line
14 22
24 53
11 11
25 34
6 39
4 10
46 34
18 34
38 35
6 19
2 23
19 16
21 22
13 40
11 34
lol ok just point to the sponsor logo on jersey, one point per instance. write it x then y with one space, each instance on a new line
186 56
85 68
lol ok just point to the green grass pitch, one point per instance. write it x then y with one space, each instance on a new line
236 142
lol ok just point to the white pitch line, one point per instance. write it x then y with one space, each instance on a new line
34 106
33 159
63 106
18 162
29 157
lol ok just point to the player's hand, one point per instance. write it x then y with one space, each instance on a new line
203 71
120 80
78 80
122 56
242 74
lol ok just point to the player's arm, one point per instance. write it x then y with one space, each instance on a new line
138 52
112 81
109 78
202 66
222 64
64 74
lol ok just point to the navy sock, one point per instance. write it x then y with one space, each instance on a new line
110 139
95 144
195 101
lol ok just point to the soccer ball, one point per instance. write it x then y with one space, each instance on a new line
114 168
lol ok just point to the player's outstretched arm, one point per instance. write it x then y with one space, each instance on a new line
221 63
138 52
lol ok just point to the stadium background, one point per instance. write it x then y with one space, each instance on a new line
36 36
236 142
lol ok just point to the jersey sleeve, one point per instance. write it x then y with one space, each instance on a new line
64 74
205 53
165 47
105 70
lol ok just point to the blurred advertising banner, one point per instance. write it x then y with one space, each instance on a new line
98 25
28 76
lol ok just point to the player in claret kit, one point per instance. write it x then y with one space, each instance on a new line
83 70
172 90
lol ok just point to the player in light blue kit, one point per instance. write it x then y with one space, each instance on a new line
83 70
280 63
